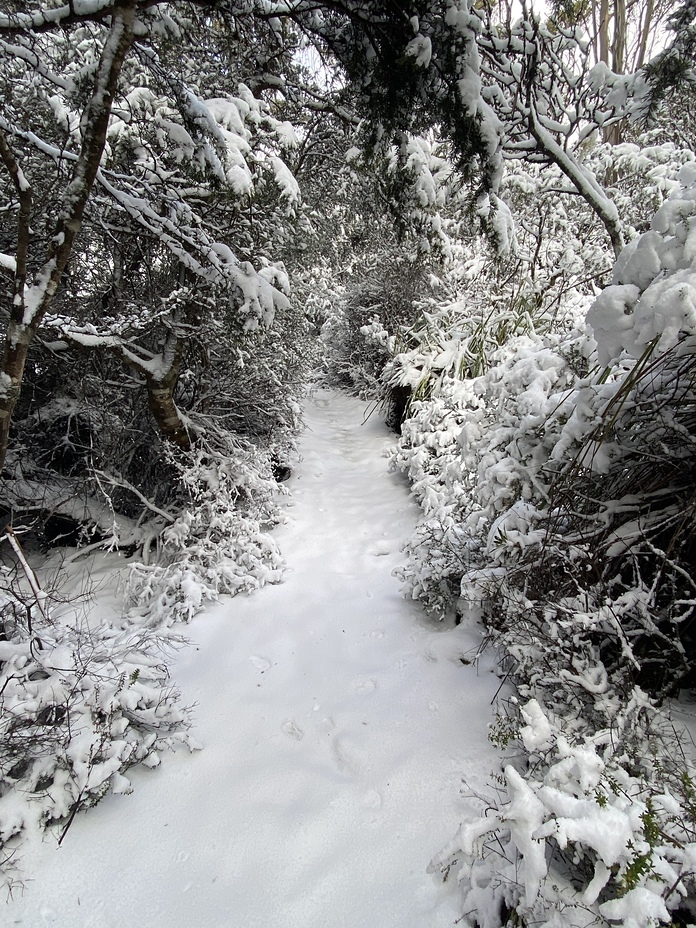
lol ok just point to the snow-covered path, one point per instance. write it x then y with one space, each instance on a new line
337 723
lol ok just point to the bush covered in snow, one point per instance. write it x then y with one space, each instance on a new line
83 698
80 703
590 829
556 472
218 542
379 299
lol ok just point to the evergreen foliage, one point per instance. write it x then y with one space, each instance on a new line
191 214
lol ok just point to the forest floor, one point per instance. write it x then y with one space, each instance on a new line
343 734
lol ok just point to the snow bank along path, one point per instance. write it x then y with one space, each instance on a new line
337 725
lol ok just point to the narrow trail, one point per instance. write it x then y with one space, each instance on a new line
337 725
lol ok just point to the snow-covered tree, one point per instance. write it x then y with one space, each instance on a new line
112 114
169 170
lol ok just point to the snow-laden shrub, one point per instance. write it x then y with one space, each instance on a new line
488 406
80 703
576 545
478 445
218 543
587 832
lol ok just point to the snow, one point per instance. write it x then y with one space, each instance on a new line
537 732
421 49
469 90
36 293
289 188
226 112
8 263
525 816
286 135
632 909
338 727
37 19
652 297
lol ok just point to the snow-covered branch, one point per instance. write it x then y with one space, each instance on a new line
23 192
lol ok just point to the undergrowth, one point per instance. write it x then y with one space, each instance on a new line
556 470
81 702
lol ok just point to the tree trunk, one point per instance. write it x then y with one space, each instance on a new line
160 372
618 51
604 31
31 303
160 401
18 339
646 26
160 394
614 134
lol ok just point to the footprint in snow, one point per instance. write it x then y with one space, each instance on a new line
365 686
379 549
290 728
344 761
372 800
261 663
